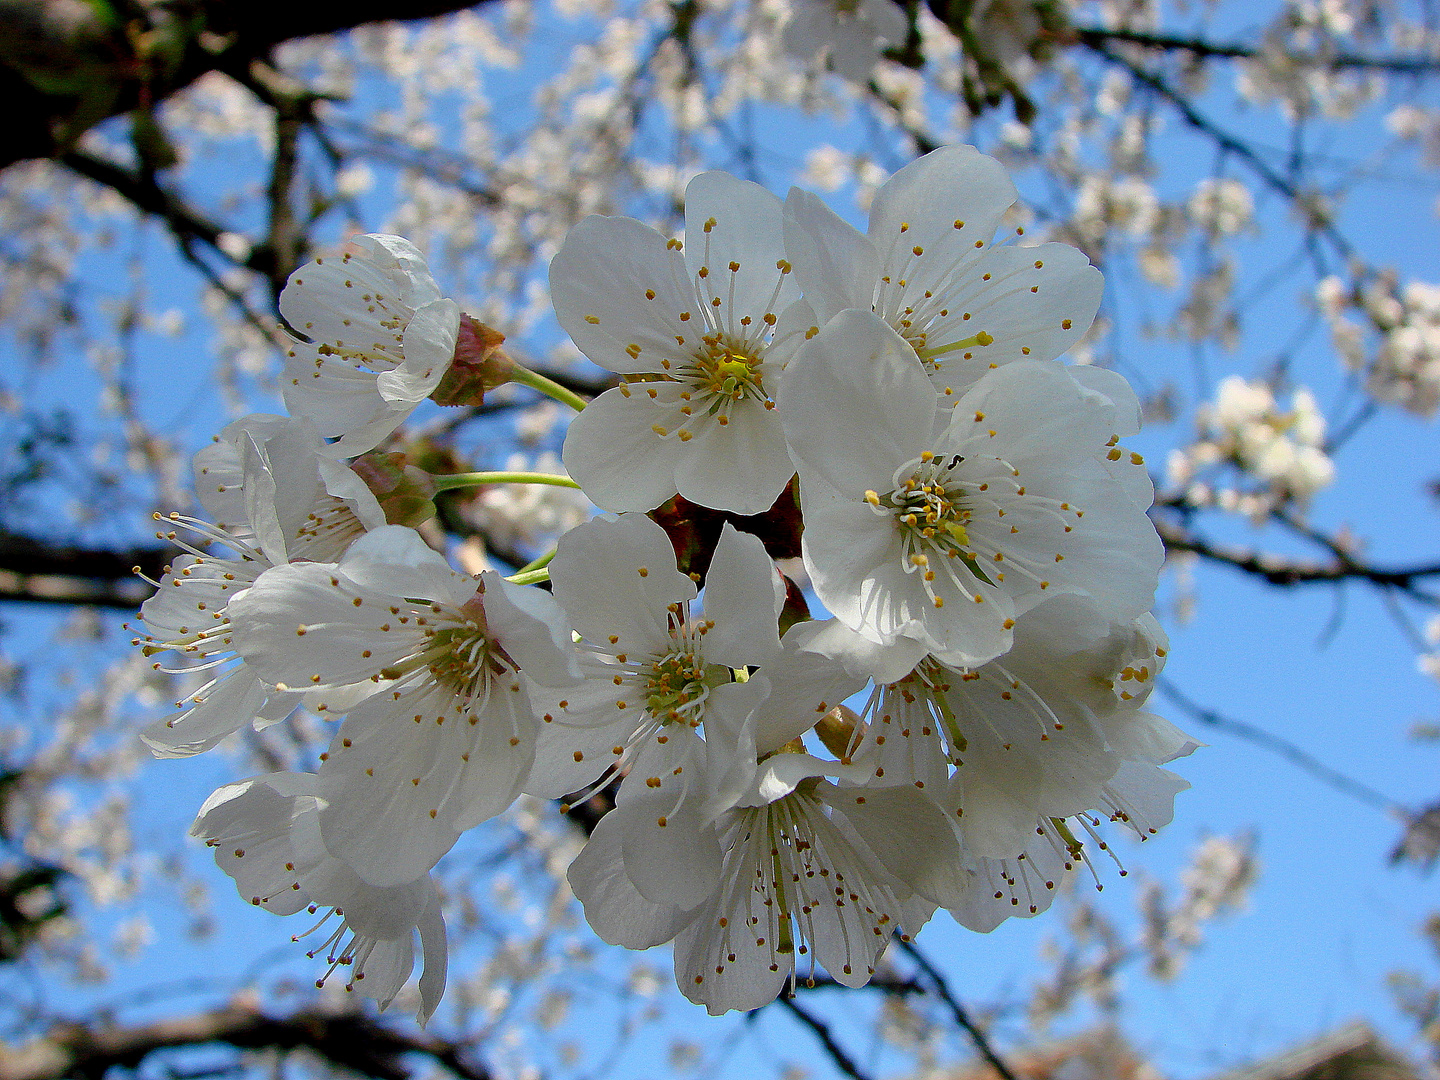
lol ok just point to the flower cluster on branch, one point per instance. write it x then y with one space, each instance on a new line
793 791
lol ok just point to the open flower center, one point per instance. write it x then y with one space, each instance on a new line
458 652
675 688
725 370
930 511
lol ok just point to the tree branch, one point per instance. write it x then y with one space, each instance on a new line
350 1040
843 1061
66 67
958 1012
33 570
1281 570
1096 37
1305 205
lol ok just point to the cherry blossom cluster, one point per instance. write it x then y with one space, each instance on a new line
1395 342
789 791
1247 430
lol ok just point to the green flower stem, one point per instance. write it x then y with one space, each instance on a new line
538 564
475 479
533 379
530 577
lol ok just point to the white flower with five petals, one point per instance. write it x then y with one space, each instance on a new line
266 835
660 696
942 528
690 327
381 337
445 735
928 268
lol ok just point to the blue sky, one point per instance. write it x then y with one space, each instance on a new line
1328 670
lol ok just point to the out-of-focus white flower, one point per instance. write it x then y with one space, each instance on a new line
1246 427
1429 663
851 33
1222 207
519 517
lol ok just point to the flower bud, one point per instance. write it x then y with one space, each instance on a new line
479 365
404 492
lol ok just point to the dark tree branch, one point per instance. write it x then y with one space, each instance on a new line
34 570
64 67
350 1040
958 1012
146 194
1097 37
1283 570
843 1061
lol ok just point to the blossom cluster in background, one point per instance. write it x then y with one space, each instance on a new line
790 791
1247 430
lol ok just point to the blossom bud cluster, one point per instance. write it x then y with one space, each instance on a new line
1396 342
1246 429
790 792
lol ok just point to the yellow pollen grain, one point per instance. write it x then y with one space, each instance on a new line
593 320
649 294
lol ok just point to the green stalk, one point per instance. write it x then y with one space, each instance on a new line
549 387
537 564
475 479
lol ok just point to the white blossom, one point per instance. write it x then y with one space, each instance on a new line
443 735
942 528
265 832
851 33
928 268
381 338
690 327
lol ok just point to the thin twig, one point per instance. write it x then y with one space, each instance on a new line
843 1061
1231 144
978 1037
1298 757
